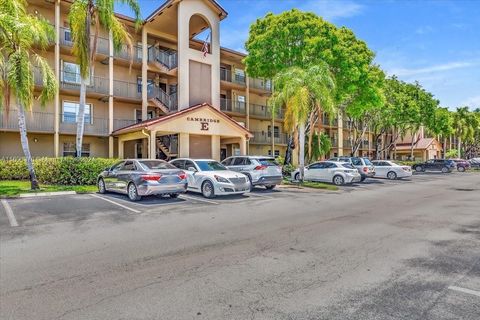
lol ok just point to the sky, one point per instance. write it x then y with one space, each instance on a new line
436 42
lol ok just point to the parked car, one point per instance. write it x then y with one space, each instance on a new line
391 170
474 163
338 173
138 178
261 171
211 178
442 165
462 164
363 165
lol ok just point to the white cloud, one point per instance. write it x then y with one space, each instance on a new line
424 30
431 69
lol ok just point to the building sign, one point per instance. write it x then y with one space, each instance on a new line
204 122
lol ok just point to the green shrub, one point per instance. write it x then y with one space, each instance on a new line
288 169
407 163
63 171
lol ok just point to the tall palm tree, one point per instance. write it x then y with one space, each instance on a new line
85 15
20 34
461 126
303 92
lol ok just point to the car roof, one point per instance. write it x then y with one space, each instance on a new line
191 159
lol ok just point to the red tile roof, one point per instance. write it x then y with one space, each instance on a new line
421 144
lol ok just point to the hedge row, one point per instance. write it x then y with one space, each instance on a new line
64 171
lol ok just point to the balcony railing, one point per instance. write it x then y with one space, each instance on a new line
127 89
227 75
122 123
95 126
167 59
326 122
347 144
35 121
230 105
66 40
264 84
71 81
135 54
264 137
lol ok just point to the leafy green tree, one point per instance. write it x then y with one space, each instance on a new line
85 15
319 147
442 126
302 92
466 126
21 34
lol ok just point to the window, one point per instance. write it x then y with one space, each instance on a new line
318 165
149 85
210 166
239 162
189 164
71 73
227 161
241 99
138 150
277 152
155 165
239 75
70 150
117 166
128 166
276 131
70 111
180 164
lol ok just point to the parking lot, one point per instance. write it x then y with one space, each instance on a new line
382 249
33 211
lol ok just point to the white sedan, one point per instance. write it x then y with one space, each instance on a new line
211 178
338 173
391 170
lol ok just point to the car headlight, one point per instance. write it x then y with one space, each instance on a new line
221 179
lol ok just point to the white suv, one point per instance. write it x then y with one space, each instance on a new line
260 170
338 173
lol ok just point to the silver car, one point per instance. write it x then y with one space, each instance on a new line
260 170
138 178
364 165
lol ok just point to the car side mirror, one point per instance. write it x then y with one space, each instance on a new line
192 169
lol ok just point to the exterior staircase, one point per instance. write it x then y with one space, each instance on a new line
160 99
168 146
165 61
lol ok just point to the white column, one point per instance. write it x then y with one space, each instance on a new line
153 145
184 145
120 148
215 147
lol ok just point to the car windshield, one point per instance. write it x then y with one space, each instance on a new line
155 165
210 165
348 166
268 162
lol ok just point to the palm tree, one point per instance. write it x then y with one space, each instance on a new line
303 92
20 34
461 126
85 14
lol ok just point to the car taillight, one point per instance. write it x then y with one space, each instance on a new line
151 177
182 176
365 169
260 167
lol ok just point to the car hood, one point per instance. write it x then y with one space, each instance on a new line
223 173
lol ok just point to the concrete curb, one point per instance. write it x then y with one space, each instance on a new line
45 194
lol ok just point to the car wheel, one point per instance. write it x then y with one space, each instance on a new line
101 186
173 195
419 168
270 187
297 176
133 192
338 180
445 170
392 175
207 190
461 169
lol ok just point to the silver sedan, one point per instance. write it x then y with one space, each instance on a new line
138 178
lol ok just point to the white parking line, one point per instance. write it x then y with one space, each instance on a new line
115 203
258 195
8 210
464 290
198 199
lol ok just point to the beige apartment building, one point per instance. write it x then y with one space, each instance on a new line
172 96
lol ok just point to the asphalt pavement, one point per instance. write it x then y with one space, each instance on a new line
379 250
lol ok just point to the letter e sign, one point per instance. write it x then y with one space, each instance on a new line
204 126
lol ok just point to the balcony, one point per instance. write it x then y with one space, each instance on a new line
262 84
258 110
125 54
326 121
93 126
226 75
263 137
167 59
126 89
229 105
66 40
347 144
35 121
122 123
71 81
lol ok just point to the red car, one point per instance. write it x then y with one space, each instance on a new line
462 164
